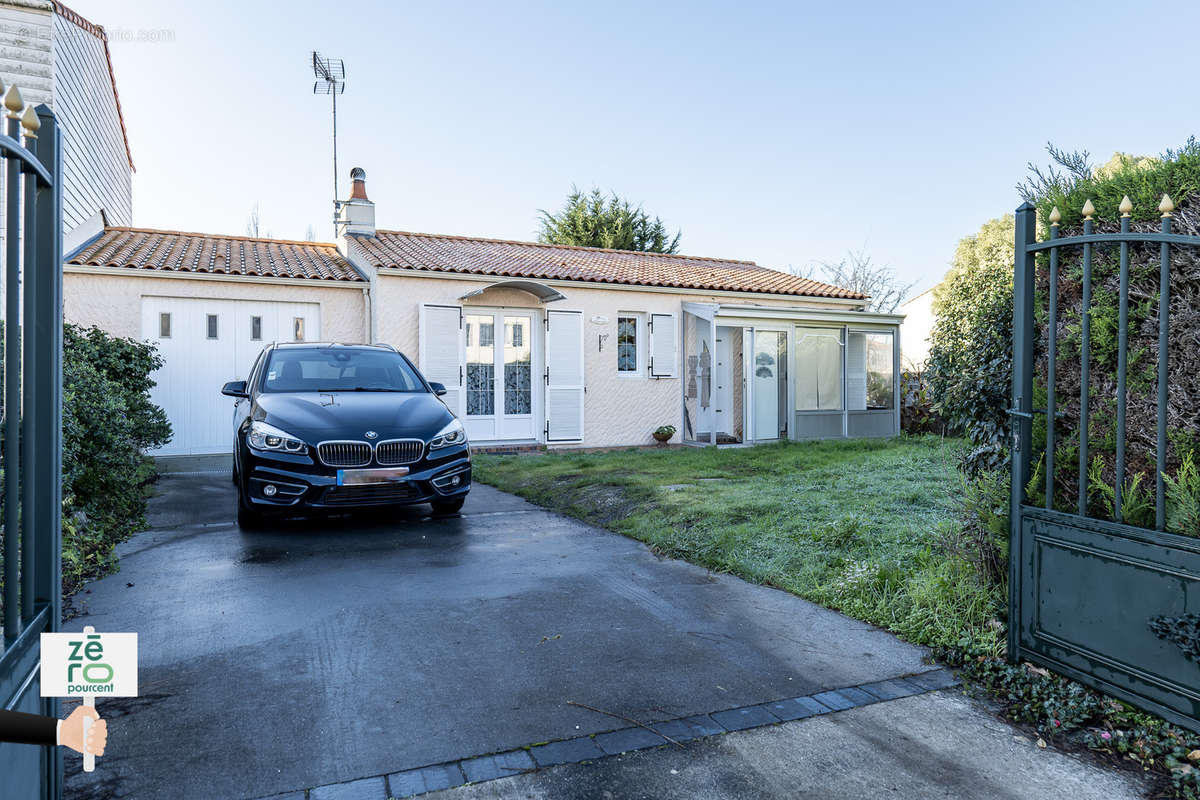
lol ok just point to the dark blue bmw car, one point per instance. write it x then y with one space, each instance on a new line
332 427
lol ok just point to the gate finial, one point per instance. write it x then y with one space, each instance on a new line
1126 207
1055 216
30 122
13 102
1166 205
1088 209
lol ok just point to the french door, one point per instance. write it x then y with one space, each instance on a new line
500 352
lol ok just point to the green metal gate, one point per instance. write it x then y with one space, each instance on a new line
1113 605
30 166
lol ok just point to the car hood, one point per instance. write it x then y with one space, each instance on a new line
349 415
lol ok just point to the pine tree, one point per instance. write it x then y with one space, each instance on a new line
593 220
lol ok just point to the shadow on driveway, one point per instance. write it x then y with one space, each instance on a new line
324 650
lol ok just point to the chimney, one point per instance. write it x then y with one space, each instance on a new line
356 216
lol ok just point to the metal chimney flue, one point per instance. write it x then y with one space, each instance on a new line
356 216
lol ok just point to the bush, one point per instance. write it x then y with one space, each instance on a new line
108 420
970 352
917 414
1183 497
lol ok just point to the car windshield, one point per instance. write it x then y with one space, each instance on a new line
339 369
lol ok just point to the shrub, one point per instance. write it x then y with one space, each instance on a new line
108 420
916 405
981 539
1183 497
970 354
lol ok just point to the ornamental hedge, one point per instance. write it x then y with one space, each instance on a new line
970 360
108 422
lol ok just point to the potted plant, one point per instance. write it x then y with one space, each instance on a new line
663 434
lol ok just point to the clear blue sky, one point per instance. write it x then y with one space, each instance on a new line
784 133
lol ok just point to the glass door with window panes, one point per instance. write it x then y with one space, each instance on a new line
769 385
499 375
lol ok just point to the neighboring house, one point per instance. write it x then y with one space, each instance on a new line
56 57
567 346
918 325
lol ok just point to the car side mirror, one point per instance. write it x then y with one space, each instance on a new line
438 388
235 389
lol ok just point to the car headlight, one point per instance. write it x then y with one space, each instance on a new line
454 433
267 437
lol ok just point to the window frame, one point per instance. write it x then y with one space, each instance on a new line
639 345
164 316
843 335
255 319
893 335
212 327
298 332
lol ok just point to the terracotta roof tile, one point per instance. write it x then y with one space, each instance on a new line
401 250
175 251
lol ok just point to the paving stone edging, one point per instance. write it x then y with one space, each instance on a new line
420 780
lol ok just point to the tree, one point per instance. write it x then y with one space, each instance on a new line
254 223
858 273
593 220
254 226
970 346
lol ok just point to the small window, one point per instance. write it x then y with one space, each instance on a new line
627 345
164 326
256 329
298 329
212 326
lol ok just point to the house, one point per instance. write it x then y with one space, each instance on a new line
536 344
55 56
918 325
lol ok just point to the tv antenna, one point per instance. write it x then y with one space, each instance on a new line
331 80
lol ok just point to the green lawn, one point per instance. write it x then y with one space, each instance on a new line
861 526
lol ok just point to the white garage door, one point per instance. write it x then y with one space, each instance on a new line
205 343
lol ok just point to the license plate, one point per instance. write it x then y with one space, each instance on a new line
363 477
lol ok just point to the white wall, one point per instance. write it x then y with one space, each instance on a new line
113 303
26 50
914 332
618 410
54 61
96 170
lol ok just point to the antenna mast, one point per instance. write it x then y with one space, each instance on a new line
331 80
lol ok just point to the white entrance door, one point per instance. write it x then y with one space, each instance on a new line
205 343
770 384
501 356
723 410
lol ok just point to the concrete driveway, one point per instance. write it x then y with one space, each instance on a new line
339 649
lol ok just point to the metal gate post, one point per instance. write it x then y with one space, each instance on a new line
1022 408
46 385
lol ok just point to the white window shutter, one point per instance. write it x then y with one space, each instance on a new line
664 357
564 376
856 371
441 351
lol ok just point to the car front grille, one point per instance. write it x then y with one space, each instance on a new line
370 494
395 452
344 454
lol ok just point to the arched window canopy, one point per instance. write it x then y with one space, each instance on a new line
544 293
